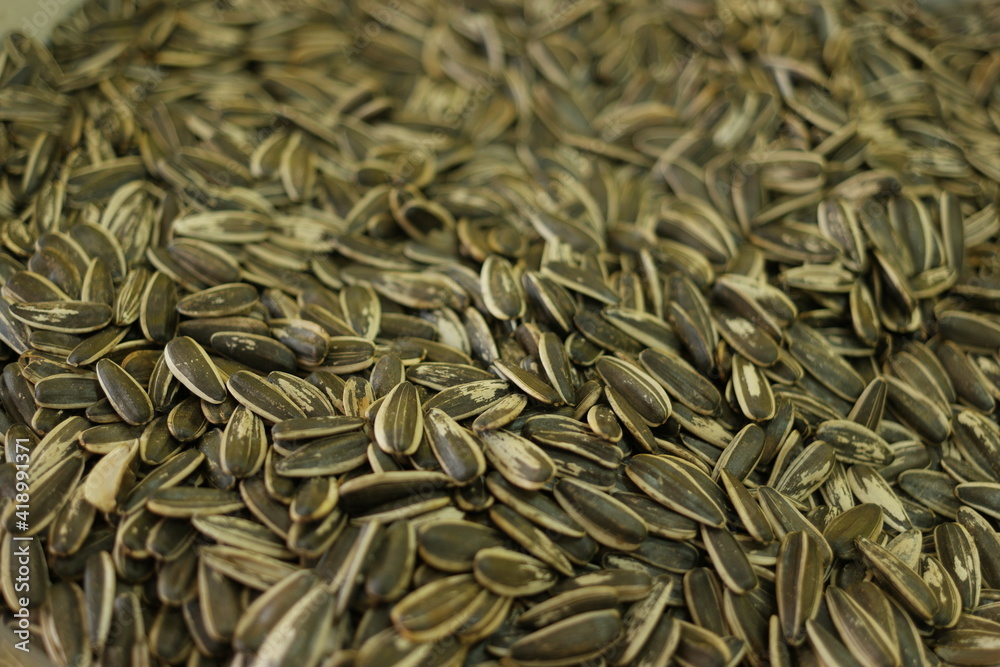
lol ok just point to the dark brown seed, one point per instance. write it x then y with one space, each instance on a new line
261 353
637 388
63 316
126 395
67 391
682 381
577 638
202 330
661 478
191 365
520 461
606 519
158 309
510 573
219 301
456 449
468 399
262 397
399 424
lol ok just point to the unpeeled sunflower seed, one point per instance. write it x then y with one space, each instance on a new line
296 376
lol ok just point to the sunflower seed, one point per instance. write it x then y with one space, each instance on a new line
191 366
798 585
126 395
569 603
659 477
509 573
960 558
863 520
399 425
648 399
577 638
363 297
261 397
520 461
907 586
435 610
67 391
455 449
729 559
530 538
261 353
606 519
501 290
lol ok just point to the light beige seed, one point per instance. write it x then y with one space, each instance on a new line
104 483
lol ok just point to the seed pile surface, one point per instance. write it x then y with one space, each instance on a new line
420 333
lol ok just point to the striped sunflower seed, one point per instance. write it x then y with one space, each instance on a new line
510 573
124 392
399 424
70 317
191 366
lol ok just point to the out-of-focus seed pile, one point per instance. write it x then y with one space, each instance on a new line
423 333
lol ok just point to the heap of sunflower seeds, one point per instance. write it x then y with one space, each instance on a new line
444 333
